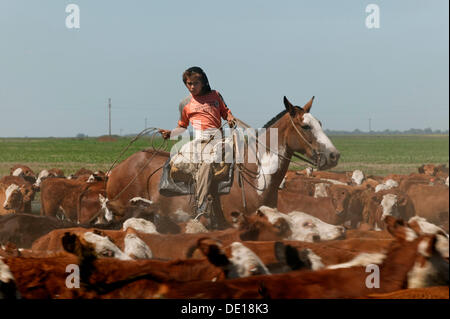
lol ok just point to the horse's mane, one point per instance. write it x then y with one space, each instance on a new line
277 117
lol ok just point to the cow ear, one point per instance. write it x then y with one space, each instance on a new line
398 229
289 107
308 105
212 250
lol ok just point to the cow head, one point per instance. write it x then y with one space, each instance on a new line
340 197
310 228
13 197
429 263
25 172
258 227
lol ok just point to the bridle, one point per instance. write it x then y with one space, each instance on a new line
313 151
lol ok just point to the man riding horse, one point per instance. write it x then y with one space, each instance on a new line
203 108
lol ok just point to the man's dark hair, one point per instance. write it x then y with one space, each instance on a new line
197 70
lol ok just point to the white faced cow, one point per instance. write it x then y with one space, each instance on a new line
304 227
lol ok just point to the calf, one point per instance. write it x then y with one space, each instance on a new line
26 189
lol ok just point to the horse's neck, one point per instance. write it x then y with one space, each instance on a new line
271 166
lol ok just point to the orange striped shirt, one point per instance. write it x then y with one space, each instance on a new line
203 112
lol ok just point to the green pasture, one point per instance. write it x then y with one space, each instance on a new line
379 155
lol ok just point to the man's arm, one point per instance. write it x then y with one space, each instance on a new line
225 111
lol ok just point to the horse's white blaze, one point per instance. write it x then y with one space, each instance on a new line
17 172
141 225
245 262
318 133
446 181
11 188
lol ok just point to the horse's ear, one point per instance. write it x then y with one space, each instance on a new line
289 107
308 105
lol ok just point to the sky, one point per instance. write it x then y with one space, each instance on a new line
56 81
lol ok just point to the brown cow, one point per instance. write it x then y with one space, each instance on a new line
61 194
23 171
386 202
402 267
254 227
26 188
89 207
431 202
329 209
11 199
54 172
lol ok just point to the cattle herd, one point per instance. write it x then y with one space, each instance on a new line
332 235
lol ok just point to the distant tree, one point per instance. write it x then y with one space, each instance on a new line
81 135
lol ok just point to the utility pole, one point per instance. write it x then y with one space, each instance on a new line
145 123
109 108
370 125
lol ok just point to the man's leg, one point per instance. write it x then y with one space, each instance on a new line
203 180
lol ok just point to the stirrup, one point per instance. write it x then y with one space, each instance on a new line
198 215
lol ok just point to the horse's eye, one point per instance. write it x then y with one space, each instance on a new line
306 127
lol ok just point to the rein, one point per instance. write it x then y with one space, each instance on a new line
156 150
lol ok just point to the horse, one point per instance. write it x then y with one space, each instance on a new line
254 184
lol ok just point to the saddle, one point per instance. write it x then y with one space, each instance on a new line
179 172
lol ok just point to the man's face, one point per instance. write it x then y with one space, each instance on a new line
194 84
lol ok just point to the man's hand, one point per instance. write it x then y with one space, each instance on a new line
231 121
165 133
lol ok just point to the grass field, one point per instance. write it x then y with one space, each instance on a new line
379 155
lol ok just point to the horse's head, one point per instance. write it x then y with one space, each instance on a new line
304 134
